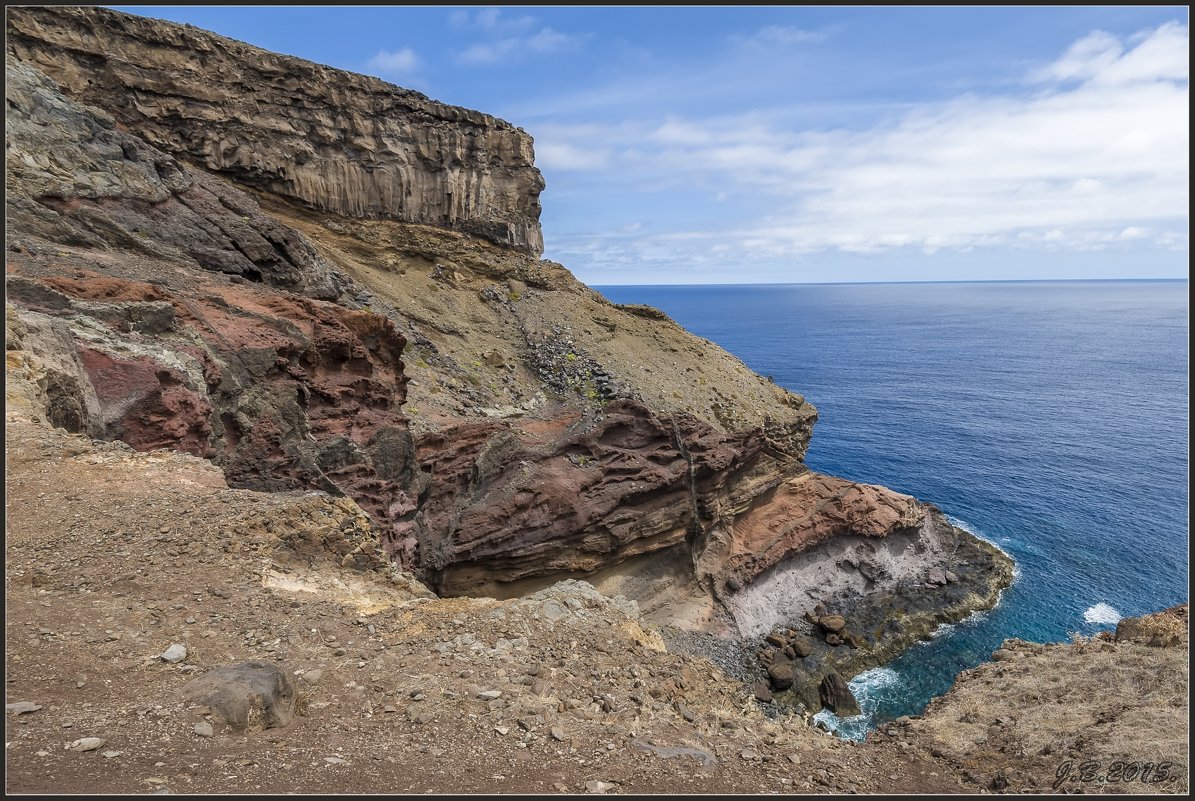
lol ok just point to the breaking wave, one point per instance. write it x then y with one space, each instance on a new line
1103 614
869 688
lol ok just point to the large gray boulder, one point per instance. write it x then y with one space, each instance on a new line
246 696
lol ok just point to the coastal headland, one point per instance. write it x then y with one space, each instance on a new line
289 384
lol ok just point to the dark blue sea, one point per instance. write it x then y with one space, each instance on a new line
1050 418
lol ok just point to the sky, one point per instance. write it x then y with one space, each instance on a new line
692 145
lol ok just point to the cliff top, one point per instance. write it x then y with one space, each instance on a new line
161 43
332 140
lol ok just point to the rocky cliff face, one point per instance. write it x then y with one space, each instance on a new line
234 287
338 142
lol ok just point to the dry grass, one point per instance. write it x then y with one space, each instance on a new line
1088 700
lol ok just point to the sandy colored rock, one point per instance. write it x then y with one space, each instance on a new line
156 77
832 624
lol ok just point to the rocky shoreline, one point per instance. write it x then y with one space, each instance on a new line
497 532
849 633
878 627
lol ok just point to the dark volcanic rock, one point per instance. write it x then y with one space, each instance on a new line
837 696
126 193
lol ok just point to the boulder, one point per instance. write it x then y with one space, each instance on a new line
837 696
175 653
762 693
832 623
246 695
782 674
801 646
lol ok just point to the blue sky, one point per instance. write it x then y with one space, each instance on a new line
773 144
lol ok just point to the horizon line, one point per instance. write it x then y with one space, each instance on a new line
928 281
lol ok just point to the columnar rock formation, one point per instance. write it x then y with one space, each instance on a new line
339 142
311 296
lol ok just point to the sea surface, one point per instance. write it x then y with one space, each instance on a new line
1050 418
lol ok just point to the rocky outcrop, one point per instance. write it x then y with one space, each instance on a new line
339 142
232 286
853 628
1161 630
77 179
1101 714
837 696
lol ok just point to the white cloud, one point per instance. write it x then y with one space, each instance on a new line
543 41
548 41
1094 154
488 53
780 35
393 63
1100 57
563 156
506 37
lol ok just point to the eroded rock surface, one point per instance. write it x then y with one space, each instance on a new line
233 287
337 141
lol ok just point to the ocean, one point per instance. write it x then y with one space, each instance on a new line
1050 418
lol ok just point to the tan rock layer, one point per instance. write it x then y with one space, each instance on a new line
180 314
808 510
337 141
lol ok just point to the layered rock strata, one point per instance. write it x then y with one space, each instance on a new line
503 425
337 141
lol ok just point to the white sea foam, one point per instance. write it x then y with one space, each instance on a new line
942 630
973 531
1102 613
869 688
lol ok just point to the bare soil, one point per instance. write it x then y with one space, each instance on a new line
112 556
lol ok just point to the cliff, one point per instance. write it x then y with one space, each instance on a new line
114 556
189 276
336 141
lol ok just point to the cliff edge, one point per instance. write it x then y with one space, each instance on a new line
335 141
341 292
